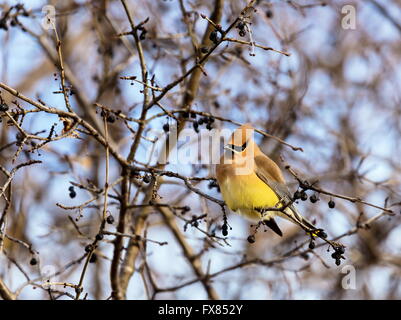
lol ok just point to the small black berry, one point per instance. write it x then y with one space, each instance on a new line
166 127
214 37
313 198
251 239
336 255
297 195
73 194
110 219
33 262
240 25
312 245
93 258
304 196
305 256
111 118
3 107
89 248
196 127
269 14
331 204
99 237
224 230
340 250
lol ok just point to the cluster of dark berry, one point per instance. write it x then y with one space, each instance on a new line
337 254
108 116
12 17
194 221
224 229
90 248
301 194
241 28
73 194
207 121
186 114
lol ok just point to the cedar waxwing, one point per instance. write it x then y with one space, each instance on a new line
250 183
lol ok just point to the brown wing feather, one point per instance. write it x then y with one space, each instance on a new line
269 167
269 172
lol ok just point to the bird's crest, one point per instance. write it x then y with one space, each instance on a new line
241 135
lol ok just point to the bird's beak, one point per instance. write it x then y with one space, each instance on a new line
226 147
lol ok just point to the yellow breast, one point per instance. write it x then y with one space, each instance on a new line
246 192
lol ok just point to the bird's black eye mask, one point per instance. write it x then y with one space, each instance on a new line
238 148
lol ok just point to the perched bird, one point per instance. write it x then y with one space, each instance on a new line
251 183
